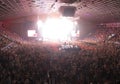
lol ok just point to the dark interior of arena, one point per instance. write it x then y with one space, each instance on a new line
59 41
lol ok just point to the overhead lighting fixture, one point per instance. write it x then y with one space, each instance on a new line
67 11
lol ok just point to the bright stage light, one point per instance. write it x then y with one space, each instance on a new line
58 29
39 23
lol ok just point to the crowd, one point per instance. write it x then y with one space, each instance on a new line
3 41
33 64
40 64
103 34
9 35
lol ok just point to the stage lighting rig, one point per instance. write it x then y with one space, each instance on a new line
67 11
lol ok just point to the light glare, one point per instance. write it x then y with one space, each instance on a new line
39 23
58 29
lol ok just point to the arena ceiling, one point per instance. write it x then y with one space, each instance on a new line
93 10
